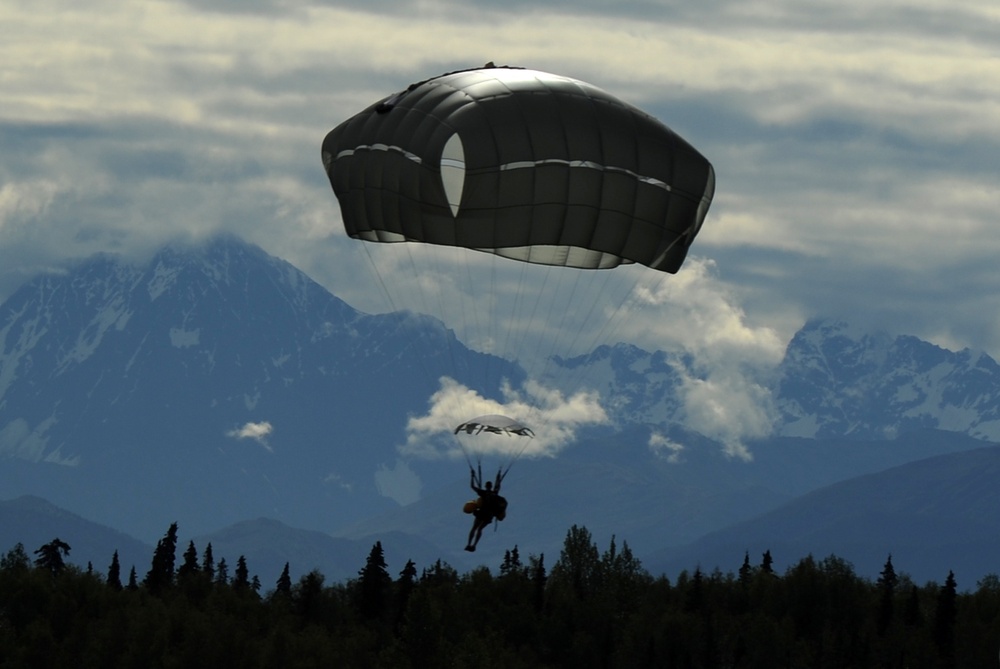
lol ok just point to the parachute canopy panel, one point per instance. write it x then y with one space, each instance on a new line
494 424
520 163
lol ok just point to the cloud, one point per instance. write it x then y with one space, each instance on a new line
552 416
25 200
399 483
530 313
727 360
336 480
697 311
730 408
662 446
259 432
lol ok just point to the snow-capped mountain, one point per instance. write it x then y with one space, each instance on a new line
836 380
215 384
636 386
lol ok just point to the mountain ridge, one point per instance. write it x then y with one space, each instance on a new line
835 380
931 515
217 384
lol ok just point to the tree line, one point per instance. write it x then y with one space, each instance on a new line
593 608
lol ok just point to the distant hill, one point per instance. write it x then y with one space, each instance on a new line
616 486
268 545
34 522
932 516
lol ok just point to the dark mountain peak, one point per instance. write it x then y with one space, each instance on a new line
847 353
220 243
33 522
216 378
620 355
837 379
225 267
33 504
932 515
217 257
218 301
599 354
835 342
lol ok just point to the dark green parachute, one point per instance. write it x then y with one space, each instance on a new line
494 424
498 429
527 165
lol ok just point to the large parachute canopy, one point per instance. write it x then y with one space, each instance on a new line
474 437
495 424
536 167
524 164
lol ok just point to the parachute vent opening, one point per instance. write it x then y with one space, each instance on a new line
453 172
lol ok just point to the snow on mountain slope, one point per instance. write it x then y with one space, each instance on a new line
835 380
216 383
217 380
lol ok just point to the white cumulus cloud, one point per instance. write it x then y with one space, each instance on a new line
664 447
723 392
259 432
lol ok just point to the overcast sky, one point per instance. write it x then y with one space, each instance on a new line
856 142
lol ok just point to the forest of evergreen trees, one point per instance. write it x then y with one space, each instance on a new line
590 609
